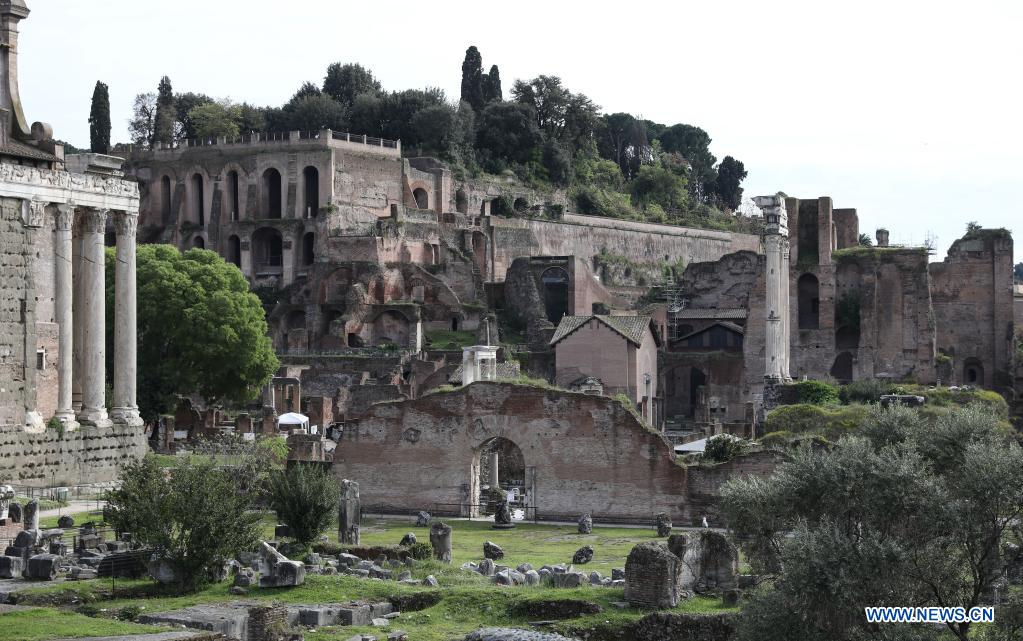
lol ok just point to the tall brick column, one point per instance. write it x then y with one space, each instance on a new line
94 411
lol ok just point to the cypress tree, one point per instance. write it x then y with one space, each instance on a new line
472 79
166 114
99 119
492 86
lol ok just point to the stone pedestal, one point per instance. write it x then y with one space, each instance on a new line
349 513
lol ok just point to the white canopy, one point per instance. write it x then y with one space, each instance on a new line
692 446
293 418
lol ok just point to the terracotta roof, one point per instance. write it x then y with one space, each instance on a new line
730 326
21 150
712 312
631 328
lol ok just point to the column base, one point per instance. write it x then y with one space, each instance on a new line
96 417
34 423
126 416
68 418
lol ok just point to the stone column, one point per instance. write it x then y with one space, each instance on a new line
94 410
63 295
126 409
77 309
775 343
494 460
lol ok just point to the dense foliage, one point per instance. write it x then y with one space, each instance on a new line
815 392
200 329
913 512
545 134
192 516
99 119
305 498
724 447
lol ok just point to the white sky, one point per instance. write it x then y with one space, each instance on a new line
907 110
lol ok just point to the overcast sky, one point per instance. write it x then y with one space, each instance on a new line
908 111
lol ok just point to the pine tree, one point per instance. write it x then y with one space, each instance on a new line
492 86
99 119
472 79
166 113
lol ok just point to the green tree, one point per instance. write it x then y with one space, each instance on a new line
623 139
184 103
913 512
305 498
315 112
398 109
365 115
506 133
345 82
694 144
435 129
728 183
307 90
200 329
99 119
865 240
140 127
656 185
1017 272
472 79
166 114
215 119
192 517
492 86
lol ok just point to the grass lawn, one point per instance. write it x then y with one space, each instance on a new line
39 624
448 339
468 599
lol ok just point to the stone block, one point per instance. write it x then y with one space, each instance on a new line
43 567
652 575
354 615
11 567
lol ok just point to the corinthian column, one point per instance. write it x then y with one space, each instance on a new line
64 293
94 410
126 408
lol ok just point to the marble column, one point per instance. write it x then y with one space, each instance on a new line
77 307
94 410
126 409
63 295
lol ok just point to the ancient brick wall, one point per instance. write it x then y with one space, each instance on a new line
583 453
705 483
972 295
17 305
86 455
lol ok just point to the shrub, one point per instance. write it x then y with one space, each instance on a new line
830 422
305 498
815 392
724 447
867 390
129 613
420 550
192 516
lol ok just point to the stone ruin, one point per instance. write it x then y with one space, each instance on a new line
710 561
652 576
349 513
585 524
276 570
440 540
502 516
663 524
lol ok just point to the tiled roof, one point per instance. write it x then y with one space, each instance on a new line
631 328
21 150
712 312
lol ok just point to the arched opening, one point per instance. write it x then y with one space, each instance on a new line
232 194
847 337
198 200
198 242
555 293
165 197
454 323
461 202
808 288
268 251
422 198
842 369
520 205
272 193
308 240
234 251
311 189
479 252
973 372
498 473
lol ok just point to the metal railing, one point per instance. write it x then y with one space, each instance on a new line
466 510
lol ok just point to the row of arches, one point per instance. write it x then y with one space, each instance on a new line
267 245
271 196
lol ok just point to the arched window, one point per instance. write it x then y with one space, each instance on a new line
234 250
272 193
461 202
311 183
809 302
268 249
232 195
198 200
842 369
555 293
198 242
422 198
308 241
520 205
165 197
973 372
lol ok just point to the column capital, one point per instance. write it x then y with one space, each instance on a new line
32 213
93 220
65 217
125 223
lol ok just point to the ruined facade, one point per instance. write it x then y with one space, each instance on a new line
53 223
